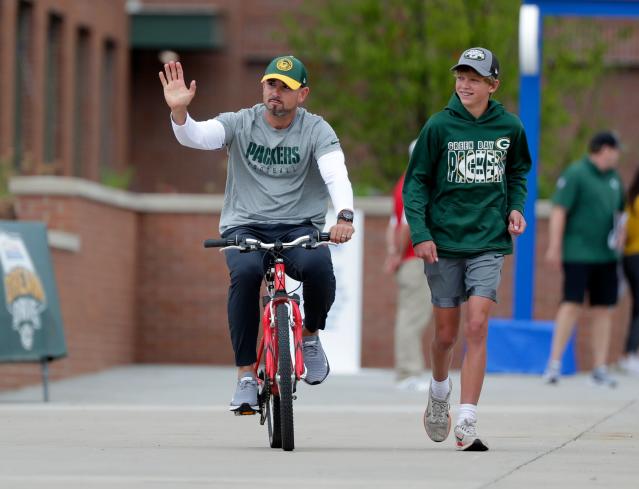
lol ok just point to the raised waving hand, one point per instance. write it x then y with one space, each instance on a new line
176 93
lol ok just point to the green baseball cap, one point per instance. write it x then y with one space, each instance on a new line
288 69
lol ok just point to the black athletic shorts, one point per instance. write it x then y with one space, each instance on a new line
598 279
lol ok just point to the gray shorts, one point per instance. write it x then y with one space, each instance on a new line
454 280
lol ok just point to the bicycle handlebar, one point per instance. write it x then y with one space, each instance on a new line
250 244
219 243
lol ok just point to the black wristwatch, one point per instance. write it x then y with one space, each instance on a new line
345 215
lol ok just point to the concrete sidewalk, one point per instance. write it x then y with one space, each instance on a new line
168 426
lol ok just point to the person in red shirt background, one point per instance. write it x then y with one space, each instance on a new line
414 308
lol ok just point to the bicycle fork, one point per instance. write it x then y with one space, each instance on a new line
276 286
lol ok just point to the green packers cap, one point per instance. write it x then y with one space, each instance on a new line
288 69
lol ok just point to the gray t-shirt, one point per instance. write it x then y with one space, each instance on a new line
273 175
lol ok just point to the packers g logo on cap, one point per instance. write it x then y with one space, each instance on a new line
477 54
288 69
284 64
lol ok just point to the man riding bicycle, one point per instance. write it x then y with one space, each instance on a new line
283 164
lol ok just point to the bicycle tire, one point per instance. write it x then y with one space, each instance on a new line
285 383
273 420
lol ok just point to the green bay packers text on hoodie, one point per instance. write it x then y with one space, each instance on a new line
477 161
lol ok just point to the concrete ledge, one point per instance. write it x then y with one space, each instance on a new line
171 203
77 187
542 209
62 240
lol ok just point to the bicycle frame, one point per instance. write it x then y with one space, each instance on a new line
276 288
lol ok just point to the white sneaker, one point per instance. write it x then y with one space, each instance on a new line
630 364
413 383
466 437
437 415
601 377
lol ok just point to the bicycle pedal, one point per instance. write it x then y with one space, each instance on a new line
245 410
248 412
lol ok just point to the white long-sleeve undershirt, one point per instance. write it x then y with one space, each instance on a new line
332 167
207 134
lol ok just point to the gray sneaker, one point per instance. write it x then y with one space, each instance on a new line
601 377
317 367
437 415
245 398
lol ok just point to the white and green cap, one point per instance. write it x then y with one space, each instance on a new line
481 60
288 69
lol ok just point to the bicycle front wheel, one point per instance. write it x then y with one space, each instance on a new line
273 417
285 371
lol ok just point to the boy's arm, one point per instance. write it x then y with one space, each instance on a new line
517 168
416 193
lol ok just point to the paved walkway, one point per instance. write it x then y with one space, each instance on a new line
168 427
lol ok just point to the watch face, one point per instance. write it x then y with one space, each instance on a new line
345 215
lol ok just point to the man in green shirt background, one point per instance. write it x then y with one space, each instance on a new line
589 195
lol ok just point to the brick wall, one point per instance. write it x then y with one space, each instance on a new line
182 291
142 289
96 284
104 21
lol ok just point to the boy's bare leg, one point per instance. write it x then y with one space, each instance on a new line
475 333
441 348
437 415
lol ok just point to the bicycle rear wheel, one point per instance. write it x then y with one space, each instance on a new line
285 382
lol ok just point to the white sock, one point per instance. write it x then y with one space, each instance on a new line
440 389
467 411
554 365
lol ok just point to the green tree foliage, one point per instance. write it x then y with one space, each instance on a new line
379 68
383 67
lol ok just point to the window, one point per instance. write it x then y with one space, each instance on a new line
107 106
52 123
80 132
24 86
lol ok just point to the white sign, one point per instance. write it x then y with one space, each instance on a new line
529 40
24 293
342 337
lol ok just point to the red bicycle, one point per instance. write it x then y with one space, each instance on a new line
276 369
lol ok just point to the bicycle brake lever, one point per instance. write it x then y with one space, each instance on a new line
233 247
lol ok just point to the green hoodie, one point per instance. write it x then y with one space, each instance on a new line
464 178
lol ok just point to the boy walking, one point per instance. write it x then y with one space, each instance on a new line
464 195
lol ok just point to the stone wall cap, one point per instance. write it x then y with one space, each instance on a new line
380 206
